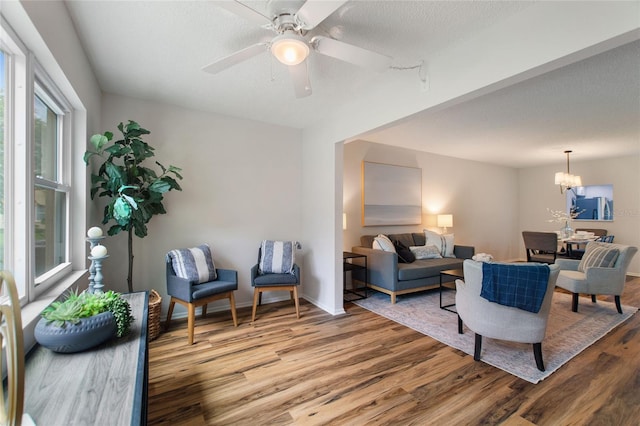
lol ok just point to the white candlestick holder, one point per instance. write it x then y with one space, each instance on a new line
92 269
97 279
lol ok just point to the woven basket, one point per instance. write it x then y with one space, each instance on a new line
155 303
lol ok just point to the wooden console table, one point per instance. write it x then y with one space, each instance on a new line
106 385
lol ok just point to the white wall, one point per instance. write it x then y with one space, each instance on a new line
538 192
481 197
546 36
242 184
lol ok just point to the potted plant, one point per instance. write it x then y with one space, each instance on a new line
81 321
135 191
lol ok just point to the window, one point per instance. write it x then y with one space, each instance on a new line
3 85
50 192
36 190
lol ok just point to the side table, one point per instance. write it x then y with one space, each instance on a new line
449 273
354 262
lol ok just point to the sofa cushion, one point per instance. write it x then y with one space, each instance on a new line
418 239
443 242
404 254
382 242
405 239
367 240
425 252
426 268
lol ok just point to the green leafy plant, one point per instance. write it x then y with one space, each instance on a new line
136 191
84 305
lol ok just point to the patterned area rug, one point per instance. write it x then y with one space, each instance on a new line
568 333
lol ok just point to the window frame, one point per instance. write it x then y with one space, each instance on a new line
25 79
48 93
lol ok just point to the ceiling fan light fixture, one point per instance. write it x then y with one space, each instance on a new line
290 48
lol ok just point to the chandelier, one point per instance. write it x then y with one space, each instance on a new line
567 180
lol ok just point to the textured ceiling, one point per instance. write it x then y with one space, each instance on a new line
592 107
155 50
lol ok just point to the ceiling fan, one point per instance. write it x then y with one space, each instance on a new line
291 46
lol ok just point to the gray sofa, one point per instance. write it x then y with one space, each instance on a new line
387 275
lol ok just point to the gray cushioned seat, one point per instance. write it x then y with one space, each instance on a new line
426 268
274 279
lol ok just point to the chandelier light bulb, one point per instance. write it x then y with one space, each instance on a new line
567 180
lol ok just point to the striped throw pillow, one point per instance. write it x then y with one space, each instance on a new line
277 257
193 264
598 257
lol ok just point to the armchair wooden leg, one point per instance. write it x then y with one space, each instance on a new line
574 302
593 298
169 313
537 354
478 347
191 321
618 305
232 302
295 295
204 311
460 331
256 295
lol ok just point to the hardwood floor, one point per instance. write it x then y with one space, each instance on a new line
360 368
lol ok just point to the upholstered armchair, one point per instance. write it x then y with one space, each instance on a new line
497 321
276 270
194 281
602 270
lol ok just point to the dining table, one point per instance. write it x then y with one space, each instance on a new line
574 242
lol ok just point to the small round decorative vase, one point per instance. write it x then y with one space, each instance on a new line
89 332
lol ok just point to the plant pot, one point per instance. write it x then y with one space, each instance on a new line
89 332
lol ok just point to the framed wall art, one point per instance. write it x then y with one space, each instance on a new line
391 195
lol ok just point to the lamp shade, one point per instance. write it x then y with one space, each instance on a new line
445 220
290 48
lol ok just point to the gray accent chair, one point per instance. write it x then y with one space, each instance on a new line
594 281
193 295
541 247
496 321
274 282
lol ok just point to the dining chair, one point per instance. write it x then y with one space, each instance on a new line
541 247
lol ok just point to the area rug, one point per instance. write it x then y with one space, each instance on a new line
568 333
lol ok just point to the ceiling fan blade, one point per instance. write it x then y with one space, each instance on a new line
350 53
315 11
300 76
244 11
235 58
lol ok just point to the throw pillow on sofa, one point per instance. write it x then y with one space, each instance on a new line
404 254
426 252
382 242
444 243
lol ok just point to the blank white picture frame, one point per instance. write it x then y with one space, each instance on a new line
391 195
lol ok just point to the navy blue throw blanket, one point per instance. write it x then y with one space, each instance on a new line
520 286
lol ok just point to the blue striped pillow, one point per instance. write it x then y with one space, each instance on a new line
193 264
598 256
277 257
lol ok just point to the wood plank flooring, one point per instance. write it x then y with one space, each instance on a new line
360 368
